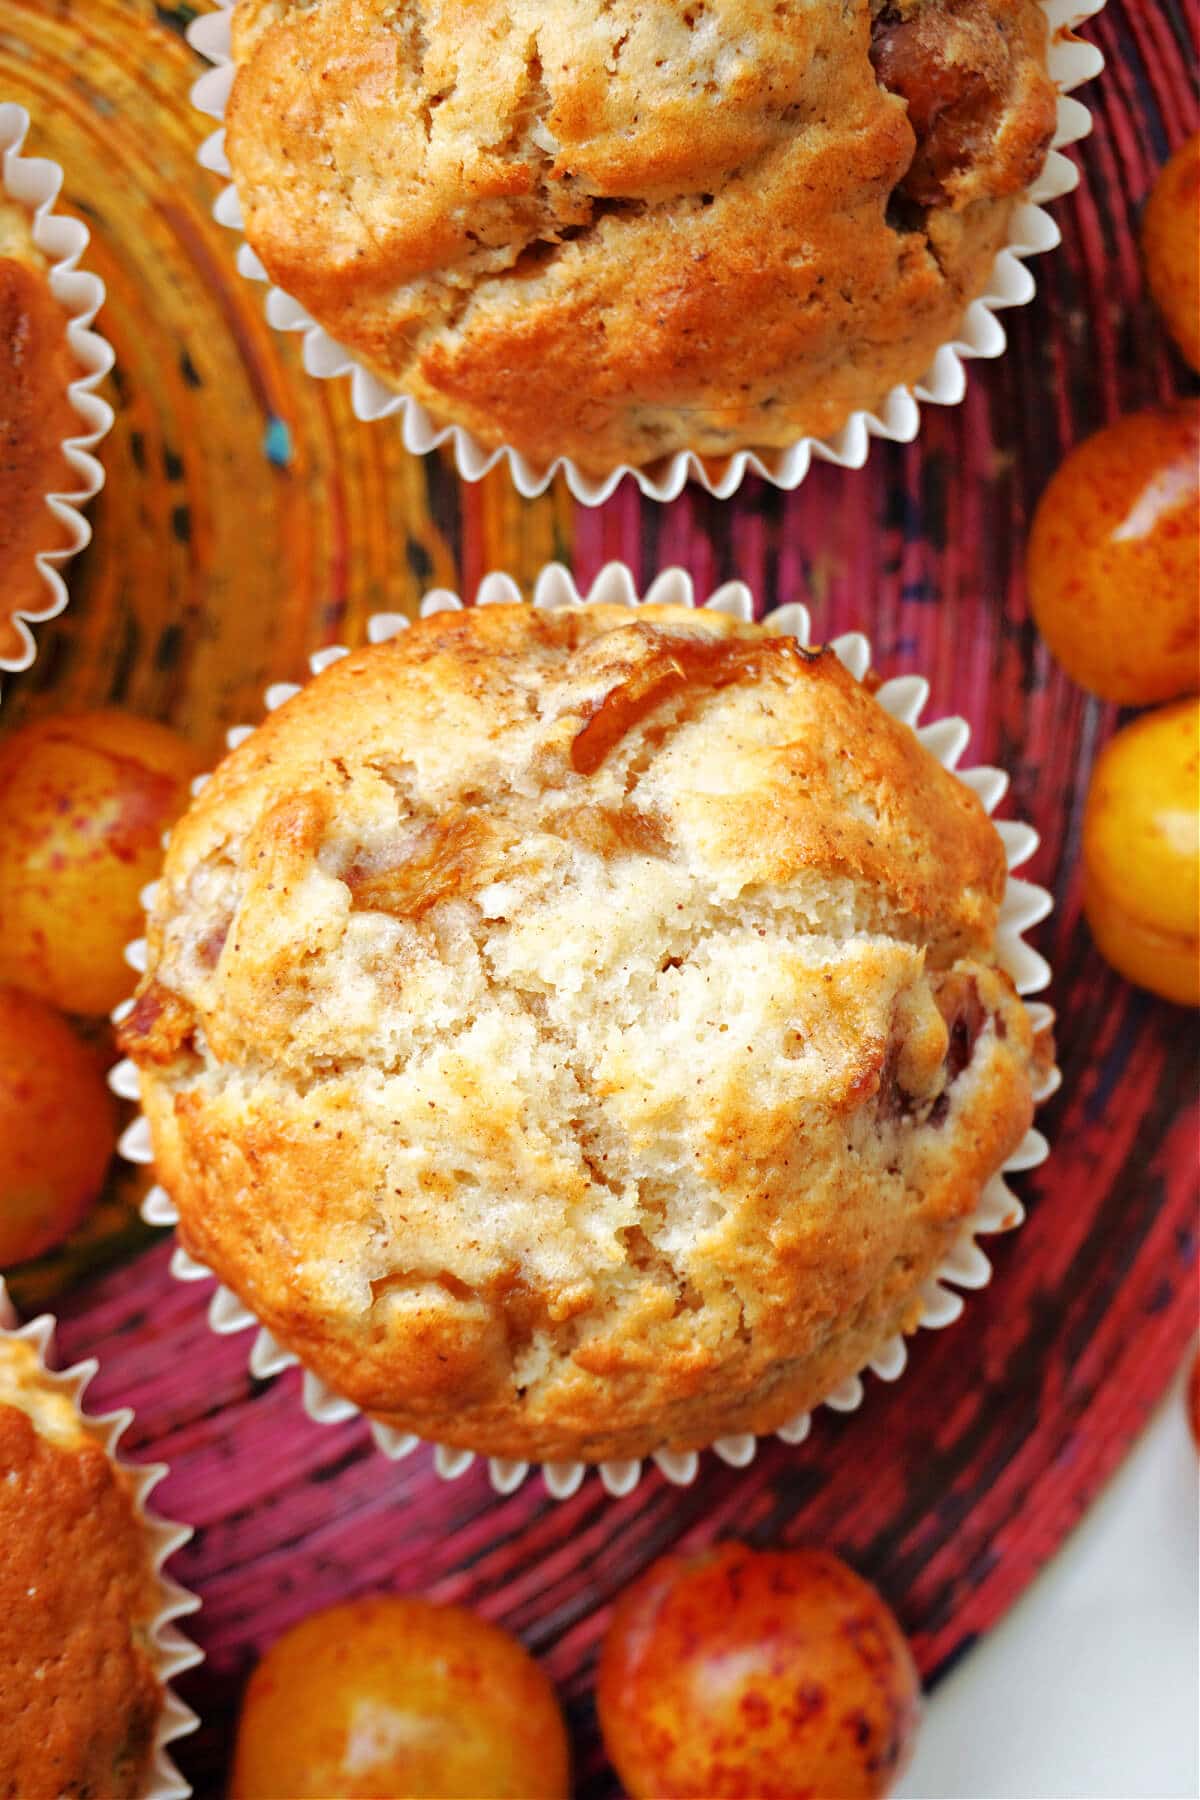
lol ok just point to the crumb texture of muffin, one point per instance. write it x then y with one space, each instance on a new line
613 231
79 1699
37 366
576 1032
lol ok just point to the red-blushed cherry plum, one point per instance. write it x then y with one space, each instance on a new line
84 801
772 1674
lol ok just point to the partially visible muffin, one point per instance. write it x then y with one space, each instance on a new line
37 366
574 1033
79 1698
613 229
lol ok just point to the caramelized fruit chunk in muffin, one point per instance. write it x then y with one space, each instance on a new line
980 107
79 1699
612 231
578 1032
37 365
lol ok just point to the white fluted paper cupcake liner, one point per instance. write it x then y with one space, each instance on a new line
34 183
980 334
172 1651
966 1267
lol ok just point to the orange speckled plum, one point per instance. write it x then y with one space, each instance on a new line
1141 852
1113 558
57 1126
84 801
397 1699
1170 238
756 1675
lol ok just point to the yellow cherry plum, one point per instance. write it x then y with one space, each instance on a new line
1141 852
57 1127
1171 247
1113 559
398 1699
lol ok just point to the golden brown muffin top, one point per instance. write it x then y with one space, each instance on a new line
37 366
610 230
79 1700
575 1031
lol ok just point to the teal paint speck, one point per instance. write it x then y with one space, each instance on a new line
277 443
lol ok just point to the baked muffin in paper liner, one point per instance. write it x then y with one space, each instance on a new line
51 417
110 1677
657 301
963 1265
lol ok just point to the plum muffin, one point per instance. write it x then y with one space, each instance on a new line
37 366
614 229
574 1033
79 1697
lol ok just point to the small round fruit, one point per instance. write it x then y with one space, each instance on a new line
777 1674
1113 554
389 1697
84 801
57 1126
1170 232
1141 852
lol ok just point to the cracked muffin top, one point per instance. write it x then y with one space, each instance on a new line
37 365
612 231
79 1699
578 1032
